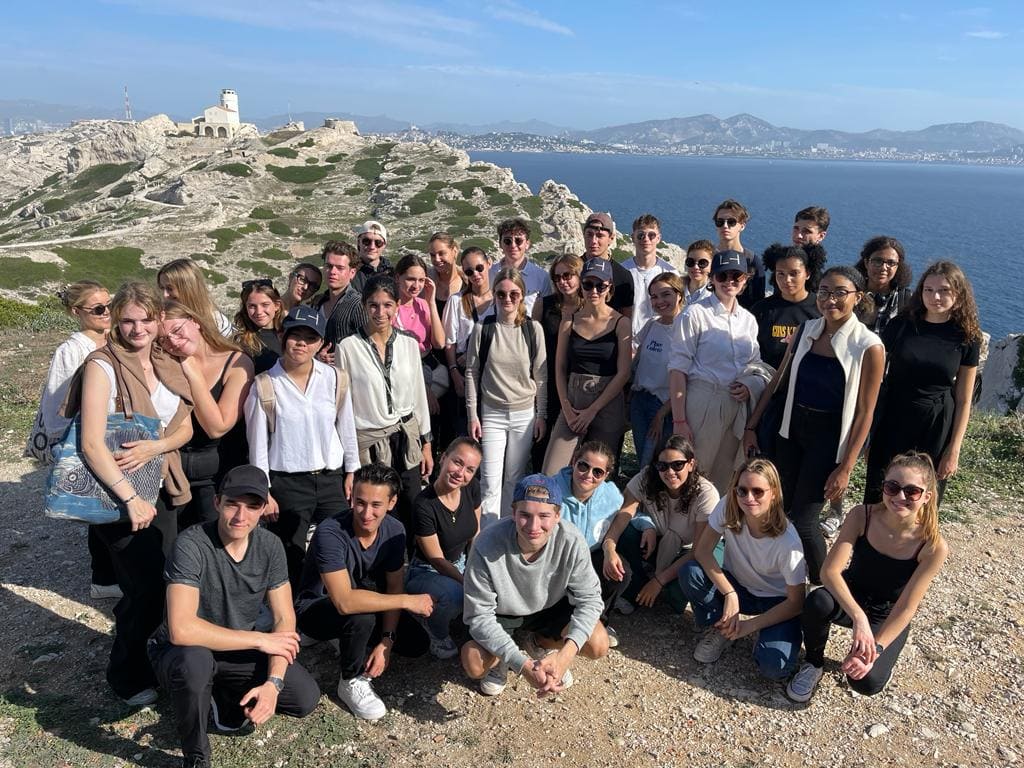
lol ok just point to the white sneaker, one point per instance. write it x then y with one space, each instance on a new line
143 698
613 636
105 592
358 695
830 525
444 648
623 606
711 646
495 680
801 686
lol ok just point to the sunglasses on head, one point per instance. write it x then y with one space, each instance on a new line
509 240
726 222
910 492
584 468
259 282
470 270
99 310
593 285
757 493
366 242
702 263
675 466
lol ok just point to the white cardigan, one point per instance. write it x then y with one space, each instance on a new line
850 343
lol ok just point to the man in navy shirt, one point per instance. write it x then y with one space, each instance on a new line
353 587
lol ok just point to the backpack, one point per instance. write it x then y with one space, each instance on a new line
268 401
487 330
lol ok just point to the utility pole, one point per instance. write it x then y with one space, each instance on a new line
127 106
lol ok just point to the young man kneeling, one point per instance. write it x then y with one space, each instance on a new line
207 655
521 574
353 587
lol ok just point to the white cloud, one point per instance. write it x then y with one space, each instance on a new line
986 34
506 10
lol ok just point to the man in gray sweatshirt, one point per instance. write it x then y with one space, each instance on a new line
531 572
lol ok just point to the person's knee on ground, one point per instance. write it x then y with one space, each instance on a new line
476 662
871 684
596 646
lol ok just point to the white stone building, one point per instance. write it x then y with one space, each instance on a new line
220 121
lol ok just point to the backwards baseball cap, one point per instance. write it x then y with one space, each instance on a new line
245 480
600 220
729 261
372 228
597 267
304 317
538 487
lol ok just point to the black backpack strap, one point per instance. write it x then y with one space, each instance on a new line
486 337
530 333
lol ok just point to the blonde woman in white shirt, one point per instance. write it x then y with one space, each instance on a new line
713 341
311 452
388 393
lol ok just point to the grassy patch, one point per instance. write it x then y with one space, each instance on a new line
461 208
533 206
287 152
55 204
992 457
466 186
275 253
336 158
306 143
277 137
53 178
198 166
499 198
224 237
85 229
379 150
312 160
576 204
110 266
368 168
122 189
478 168
355 191
300 174
241 170
47 315
620 254
22 273
422 202
101 175
252 226
479 242
21 203
426 170
435 185
215 277
260 268
278 227
404 170
303 193
450 161
262 213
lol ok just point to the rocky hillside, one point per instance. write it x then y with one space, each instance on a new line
111 199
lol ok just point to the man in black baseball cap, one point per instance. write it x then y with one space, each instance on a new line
217 580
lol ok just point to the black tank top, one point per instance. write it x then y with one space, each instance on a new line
877 580
200 440
596 357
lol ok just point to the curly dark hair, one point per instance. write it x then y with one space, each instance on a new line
813 258
903 276
654 486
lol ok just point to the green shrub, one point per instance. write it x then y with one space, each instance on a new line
461 208
47 315
466 186
198 166
302 174
21 203
533 206
101 175
262 213
259 268
55 204
478 168
450 161
280 228
379 150
436 185
479 242
110 266
419 246
337 158
215 277
53 178
224 237
367 168
500 198
303 193
307 143
580 207
312 160
122 189
23 272
85 229
424 171
404 170
278 136
287 152
274 253
240 170
422 202
620 254
251 227
355 191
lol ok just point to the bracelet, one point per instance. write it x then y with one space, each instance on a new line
123 479
726 594
453 367
133 496
678 421
660 582
750 429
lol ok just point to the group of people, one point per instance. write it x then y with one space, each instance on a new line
302 500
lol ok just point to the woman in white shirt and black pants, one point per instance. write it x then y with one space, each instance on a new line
308 446
388 394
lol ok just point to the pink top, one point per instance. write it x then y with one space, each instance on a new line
414 317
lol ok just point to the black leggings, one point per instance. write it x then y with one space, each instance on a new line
805 460
821 611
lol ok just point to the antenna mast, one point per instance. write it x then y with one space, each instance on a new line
127 106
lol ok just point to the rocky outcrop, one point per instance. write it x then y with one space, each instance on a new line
1002 383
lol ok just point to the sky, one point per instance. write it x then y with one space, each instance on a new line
849 66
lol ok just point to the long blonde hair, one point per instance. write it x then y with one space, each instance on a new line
175 310
575 263
928 514
776 522
133 292
189 285
513 274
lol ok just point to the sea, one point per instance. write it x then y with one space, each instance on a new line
973 215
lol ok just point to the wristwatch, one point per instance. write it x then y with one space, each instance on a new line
878 648
277 682
388 636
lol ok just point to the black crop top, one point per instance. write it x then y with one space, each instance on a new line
596 357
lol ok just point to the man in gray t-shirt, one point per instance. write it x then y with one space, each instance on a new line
531 572
207 655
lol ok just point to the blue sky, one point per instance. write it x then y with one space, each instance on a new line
852 66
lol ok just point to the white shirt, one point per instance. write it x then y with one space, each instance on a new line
66 361
309 434
766 565
458 325
652 358
535 277
642 278
224 325
165 402
712 344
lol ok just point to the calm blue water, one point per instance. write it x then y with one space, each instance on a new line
972 215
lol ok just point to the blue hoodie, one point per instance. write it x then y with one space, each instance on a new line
593 516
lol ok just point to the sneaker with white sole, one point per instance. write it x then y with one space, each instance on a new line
830 525
710 647
105 592
495 680
613 636
444 648
362 701
802 685
143 698
623 606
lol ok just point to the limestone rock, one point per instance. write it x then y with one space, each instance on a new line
1002 388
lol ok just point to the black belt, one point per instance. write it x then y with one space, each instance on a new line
280 473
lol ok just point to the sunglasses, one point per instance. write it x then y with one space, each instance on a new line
513 295
910 492
99 310
564 277
645 235
701 263
583 468
675 466
729 277
507 241
470 270
728 222
260 282
591 285
757 493
824 294
301 279
367 242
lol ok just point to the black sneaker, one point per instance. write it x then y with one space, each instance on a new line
194 761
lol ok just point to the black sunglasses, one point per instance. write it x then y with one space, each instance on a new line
911 492
259 282
675 466
470 270
702 263
583 468
727 222
99 310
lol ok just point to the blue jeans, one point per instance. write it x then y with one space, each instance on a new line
643 407
778 646
422 579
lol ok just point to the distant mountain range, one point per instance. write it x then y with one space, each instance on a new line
738 130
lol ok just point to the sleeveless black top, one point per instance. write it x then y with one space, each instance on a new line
876 580
598 356
200 440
